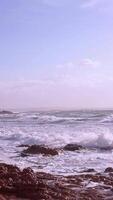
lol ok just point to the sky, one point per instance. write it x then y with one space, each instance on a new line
56 54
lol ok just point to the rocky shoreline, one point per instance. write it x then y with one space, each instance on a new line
47 151
16 184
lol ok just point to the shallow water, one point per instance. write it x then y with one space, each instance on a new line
93 129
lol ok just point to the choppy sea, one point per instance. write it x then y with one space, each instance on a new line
92 129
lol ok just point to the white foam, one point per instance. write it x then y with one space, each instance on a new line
108 118
87 133
99 138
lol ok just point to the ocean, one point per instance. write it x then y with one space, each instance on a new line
91 128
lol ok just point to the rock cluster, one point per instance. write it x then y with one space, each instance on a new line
28 185
40 149
47 151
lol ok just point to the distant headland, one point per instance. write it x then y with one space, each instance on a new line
3 112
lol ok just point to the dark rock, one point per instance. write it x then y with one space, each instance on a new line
28 185
109 169
3 112
73 147
109 148
89 170
41 149
3 197
24 154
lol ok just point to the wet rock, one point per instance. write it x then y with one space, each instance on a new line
109 169
41 149
28 185
2 198
29 176
24 154
73 147
109 148
89 171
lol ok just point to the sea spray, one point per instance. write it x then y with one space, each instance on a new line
56 129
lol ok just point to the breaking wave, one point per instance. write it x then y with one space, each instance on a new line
92 129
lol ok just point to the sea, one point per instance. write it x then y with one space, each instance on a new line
92 129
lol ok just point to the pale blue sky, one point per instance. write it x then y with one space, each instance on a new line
56 53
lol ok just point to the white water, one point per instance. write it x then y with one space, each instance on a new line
92 129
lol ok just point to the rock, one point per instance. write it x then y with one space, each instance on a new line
109 148
4 112
26 184
2 197
109 169
73 147
89 171
16 184
40 149
24 154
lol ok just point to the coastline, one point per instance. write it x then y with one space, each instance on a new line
70 153
16 184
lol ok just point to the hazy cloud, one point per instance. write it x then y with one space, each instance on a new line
66 65
90 3
55 2
104 6
63 90
87 62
